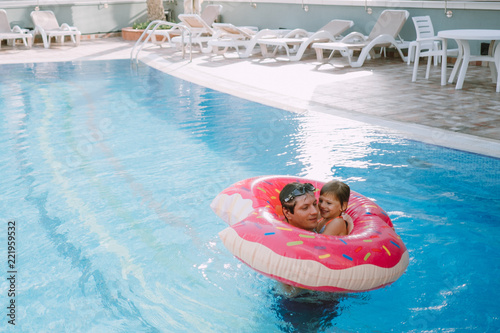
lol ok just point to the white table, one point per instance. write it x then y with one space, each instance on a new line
462 37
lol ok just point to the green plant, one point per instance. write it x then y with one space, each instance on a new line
144 25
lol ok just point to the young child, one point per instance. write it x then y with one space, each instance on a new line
333 200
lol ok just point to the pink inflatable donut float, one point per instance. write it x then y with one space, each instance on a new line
370 257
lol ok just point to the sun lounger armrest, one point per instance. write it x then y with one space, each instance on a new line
384 38
268 33
354 37
66 26
17 28
219 33
430 39
248 31
295 33
323 34
38 30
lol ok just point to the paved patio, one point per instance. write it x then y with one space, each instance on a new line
380 92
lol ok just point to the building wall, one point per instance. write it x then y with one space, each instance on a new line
292 16
93 19
89 19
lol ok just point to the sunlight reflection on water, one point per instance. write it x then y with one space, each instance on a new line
112 190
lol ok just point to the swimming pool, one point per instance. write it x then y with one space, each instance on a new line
109 170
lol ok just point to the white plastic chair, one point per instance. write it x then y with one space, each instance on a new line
242 39
424 28
428 45
383 34
200 32
47 26
210 14
298 41
11 34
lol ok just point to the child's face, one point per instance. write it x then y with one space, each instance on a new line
329 206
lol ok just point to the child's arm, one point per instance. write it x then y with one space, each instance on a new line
337 227
321 222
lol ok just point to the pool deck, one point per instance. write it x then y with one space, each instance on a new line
380 92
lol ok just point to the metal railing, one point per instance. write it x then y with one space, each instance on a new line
149 32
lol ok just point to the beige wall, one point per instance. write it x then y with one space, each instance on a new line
89 19
92 19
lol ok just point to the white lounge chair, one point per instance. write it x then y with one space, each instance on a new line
428 45
11 34
296 42
47 26
209 14
242 39
200 32
383 34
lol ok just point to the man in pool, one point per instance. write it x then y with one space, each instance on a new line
300 206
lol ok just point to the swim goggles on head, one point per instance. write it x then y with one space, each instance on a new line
300 190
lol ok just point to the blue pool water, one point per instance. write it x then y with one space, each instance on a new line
108 172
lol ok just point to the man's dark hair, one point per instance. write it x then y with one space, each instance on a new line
287 197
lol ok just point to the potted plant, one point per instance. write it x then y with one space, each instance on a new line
135 31
155 12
